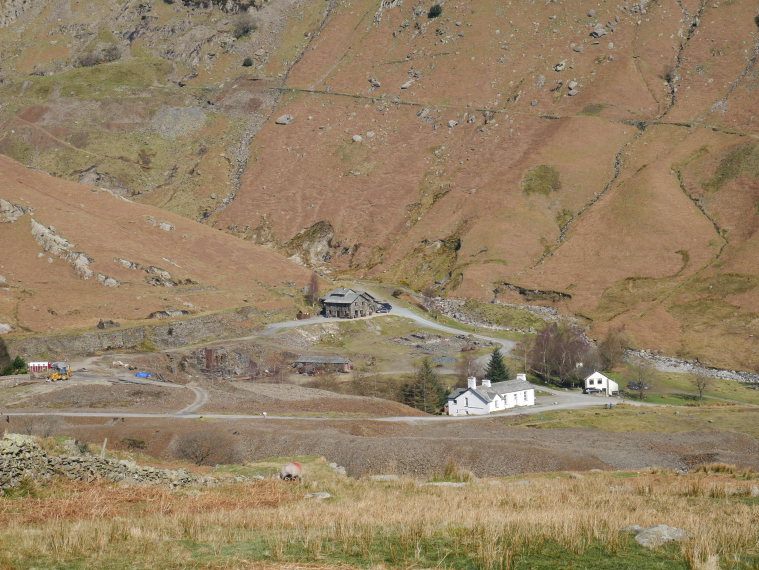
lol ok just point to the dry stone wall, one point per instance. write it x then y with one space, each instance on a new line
159 336
22 458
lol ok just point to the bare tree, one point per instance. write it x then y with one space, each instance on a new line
312 297
204 448
522 351
700 383
466 366
642 377
612 348
556 353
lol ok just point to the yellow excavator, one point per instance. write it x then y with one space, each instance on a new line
60 371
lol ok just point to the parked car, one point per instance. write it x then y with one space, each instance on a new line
637 386
384 308
592 391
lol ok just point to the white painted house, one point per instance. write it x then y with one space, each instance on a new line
602 383
486 398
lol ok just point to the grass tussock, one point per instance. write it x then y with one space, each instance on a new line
489 524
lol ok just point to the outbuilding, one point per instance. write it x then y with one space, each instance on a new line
598 381
490 397
320 364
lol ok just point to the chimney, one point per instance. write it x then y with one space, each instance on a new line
522 377
471 382
486 382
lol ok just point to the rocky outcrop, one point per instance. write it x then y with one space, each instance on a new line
22 458
671 364
9 212
12 10
59 246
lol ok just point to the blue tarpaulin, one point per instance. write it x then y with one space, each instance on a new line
143 375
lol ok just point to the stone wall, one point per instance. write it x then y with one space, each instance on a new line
158 336
22 458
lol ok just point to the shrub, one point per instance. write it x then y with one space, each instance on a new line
133 444
205 448
105 55
245 25
756 20
397 293
247 62
435 11
17 366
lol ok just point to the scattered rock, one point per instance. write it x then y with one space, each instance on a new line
598 31
519 483
357 138
591 13
560 66
374 82
408 84
109 324
575 476
165 226
3 279
385 478
655 536
578 49
452 123
571 84
284 119
443 484
318 495
5 328
572 93
534 103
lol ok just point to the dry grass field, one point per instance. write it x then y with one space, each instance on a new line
557 520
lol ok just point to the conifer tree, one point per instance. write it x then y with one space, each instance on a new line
496 370
425 392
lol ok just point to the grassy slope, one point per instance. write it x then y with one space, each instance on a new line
524 523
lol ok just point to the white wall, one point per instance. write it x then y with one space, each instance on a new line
468 404
601 382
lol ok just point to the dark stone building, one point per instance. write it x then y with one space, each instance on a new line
349 304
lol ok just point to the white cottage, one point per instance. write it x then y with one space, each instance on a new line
602 383
487 398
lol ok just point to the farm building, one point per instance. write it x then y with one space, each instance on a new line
598 381
487 398
349 304
321 364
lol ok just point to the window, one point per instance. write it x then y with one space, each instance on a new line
591 382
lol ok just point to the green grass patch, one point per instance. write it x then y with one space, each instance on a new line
502 315
543 179
593 109
626 418
740 160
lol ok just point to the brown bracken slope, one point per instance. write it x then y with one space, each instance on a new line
604 157
95 256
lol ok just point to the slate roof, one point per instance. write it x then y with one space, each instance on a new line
488 394
342 296
323 359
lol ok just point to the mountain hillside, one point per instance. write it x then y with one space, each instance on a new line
598 157
72 255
